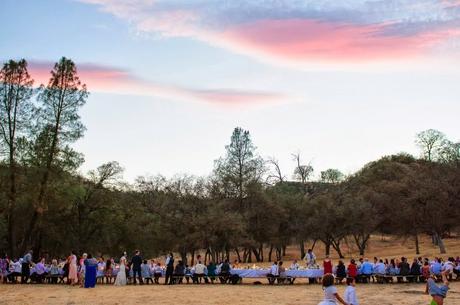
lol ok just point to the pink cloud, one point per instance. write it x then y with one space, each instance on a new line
310 40
113 80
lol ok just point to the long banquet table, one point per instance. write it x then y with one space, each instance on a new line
259 273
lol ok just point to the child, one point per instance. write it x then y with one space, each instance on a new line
438 293
350 292
145 271
54 271
330 292
157 273
188 273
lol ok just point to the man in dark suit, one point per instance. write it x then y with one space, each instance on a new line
169 269
136 263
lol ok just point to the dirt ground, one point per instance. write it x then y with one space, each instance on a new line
373 294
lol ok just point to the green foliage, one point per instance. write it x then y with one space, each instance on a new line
55 210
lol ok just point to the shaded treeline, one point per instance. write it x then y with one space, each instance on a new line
246 207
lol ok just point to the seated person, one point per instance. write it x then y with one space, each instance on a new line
436 267
340 271
200 272
179 272
366 270
404 268
224 273
282 273
54 271
392 268
145 272
449 266
274 273
426 271
379 268
40 271
294 265
415 270
15 271
157 273
212 271
188 273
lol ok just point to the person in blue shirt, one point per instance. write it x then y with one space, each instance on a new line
438 293
436 267
366 268
146 272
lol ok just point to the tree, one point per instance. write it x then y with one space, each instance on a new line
15 111
331 175
275 175
432 143
240 167
59 125
302 172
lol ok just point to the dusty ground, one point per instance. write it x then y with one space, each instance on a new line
301 293
374 294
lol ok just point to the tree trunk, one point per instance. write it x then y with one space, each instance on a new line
328 248
314 243
440 243
270 253
302 249
183 255
11 205
193 257
237 251
336 246
417 247
284 250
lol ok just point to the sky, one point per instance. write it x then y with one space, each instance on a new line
340 82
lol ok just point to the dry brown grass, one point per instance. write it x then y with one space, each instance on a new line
300 293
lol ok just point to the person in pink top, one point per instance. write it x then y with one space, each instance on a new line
73 276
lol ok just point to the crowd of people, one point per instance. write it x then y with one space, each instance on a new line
87 270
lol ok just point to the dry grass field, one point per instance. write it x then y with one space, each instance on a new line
372 294
247 293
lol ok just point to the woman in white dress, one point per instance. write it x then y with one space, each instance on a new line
121 275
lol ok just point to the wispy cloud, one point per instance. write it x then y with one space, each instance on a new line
301 31
114 80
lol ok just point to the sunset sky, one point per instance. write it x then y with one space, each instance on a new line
341 82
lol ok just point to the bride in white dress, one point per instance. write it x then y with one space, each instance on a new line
121 275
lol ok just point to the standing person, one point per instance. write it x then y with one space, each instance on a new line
136 263
90 264
310 258
350 292
438 293
73 276
327 265
25 271
82 269
169 269
121 275
4 267
331 295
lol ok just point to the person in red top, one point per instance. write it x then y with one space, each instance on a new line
352 269
327 265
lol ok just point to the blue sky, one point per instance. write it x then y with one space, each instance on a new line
342 83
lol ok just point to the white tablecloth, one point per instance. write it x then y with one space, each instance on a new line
254 273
